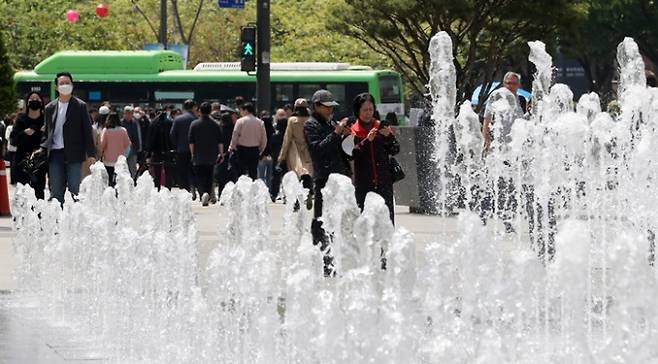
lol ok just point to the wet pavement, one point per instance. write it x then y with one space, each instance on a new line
27 339
24 339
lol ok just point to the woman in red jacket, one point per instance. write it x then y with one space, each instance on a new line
374 145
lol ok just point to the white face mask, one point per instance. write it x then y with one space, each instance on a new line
137 116
65 89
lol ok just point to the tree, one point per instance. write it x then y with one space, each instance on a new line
181 31
594 42
8 95
485 33
301 35
35 29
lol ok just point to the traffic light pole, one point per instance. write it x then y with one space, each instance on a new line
163 23
263 53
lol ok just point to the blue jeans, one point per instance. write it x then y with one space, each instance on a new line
62 174
265 169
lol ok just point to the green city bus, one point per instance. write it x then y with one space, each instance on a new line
155 78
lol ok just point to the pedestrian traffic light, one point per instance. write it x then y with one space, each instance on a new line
248 48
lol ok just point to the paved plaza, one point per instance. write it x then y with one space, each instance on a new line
25 339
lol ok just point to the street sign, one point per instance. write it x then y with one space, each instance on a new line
231 4
248 48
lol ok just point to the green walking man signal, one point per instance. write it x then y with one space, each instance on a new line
248 48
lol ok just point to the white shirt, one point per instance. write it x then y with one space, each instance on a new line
503 108
10 148
58 133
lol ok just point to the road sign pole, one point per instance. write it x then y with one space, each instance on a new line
263 66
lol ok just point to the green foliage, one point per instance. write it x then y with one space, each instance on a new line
489 35
594 41
8 95
486 34
35 29
300 33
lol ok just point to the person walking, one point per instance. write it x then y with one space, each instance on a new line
248 140
224 172
134 132
114 142
276 145
496 146
26 136
266 162
10 150
142 119
160 151
324 137
207 149
67 139
179 134
374 144
294 155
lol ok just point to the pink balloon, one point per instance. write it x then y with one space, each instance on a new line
72 16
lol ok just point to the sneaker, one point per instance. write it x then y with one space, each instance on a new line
205 199
213 200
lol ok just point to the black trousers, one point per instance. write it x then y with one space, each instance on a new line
248 161
275 184
110 174
184 171
203 175
317 231
158 163
385 191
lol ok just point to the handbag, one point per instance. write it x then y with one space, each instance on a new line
397 173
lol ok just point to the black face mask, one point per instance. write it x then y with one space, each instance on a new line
34 104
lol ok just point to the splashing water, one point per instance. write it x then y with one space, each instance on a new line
552 262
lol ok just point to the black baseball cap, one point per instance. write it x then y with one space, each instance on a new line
325 98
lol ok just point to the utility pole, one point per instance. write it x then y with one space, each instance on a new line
263 53
163 23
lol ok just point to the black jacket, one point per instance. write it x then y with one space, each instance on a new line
325 148
180 131
158 142
372 166
269 132
26 144
78 136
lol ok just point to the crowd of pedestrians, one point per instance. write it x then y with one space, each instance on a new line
203 147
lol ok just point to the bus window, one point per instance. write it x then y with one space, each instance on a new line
173 95
306 90
338 90
122 92
283 93
389 90
391 97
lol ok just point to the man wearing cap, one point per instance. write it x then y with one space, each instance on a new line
133 129
324 137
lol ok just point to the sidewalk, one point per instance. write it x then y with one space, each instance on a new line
25 339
